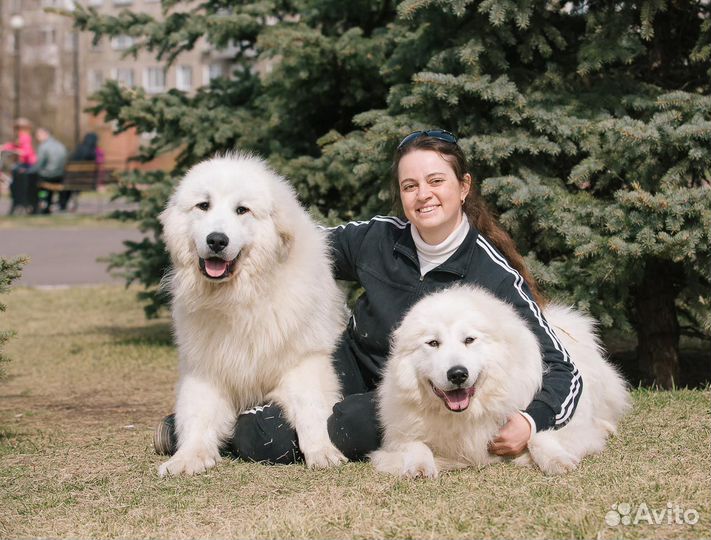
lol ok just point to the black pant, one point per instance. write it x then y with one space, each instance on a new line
263 434
24 189
50 193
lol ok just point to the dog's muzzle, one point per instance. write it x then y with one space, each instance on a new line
217 268
456 400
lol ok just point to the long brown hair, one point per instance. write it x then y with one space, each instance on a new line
475 207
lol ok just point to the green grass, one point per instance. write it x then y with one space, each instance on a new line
90 377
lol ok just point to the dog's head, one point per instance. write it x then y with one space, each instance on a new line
464 346
224 211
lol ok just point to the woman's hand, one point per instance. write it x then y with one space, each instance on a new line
513 437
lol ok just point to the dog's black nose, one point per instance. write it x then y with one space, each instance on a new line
217 241
457 374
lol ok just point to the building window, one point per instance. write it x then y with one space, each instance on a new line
69 85
213 71
69 41
154 79
184 78
121 43
96 79
124 76
49 36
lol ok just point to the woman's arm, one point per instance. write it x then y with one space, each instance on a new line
554 405
345 241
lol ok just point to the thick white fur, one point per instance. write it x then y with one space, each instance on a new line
265 333
423 437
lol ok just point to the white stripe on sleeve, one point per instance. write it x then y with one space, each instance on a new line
568 403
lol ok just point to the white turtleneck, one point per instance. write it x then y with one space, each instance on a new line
431 256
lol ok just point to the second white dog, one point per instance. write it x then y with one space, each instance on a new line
432 424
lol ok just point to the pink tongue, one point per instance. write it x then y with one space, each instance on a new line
457 400
215 267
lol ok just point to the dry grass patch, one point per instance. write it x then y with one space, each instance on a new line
90 377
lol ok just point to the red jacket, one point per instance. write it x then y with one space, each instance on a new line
24 149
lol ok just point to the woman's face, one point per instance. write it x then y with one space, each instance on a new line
431 194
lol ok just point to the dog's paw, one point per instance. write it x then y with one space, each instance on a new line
523 460
323 457
188 463
552 457
556 465
413 460
419 465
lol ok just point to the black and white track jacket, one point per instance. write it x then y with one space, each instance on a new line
380 255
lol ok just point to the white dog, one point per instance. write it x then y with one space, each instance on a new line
498 365
256 311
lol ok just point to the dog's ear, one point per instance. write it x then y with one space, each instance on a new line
401 364
175 234
165 218
401 359
285 215
405 375
286 235
286 241
165 215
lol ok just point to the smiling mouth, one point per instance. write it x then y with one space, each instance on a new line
427 209
216 268
456 400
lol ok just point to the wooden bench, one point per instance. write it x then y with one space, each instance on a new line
78 176
83 176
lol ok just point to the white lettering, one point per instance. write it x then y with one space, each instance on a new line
691 517
678 513
643 514
671 514
659 516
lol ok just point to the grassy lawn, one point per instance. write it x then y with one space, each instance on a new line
90 377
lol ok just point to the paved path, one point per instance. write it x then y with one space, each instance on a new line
65 256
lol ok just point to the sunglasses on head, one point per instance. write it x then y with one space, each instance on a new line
439 134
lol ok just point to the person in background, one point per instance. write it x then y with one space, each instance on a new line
86 151
24 181
51 159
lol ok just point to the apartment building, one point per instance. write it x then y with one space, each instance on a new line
48 71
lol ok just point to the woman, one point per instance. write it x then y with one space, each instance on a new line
449 237
24 182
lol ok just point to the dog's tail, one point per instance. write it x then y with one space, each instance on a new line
601 380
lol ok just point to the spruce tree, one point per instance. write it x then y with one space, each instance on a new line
10 270
587 125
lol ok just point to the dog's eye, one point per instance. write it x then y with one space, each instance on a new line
469 340
241 210
434 343
204 206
